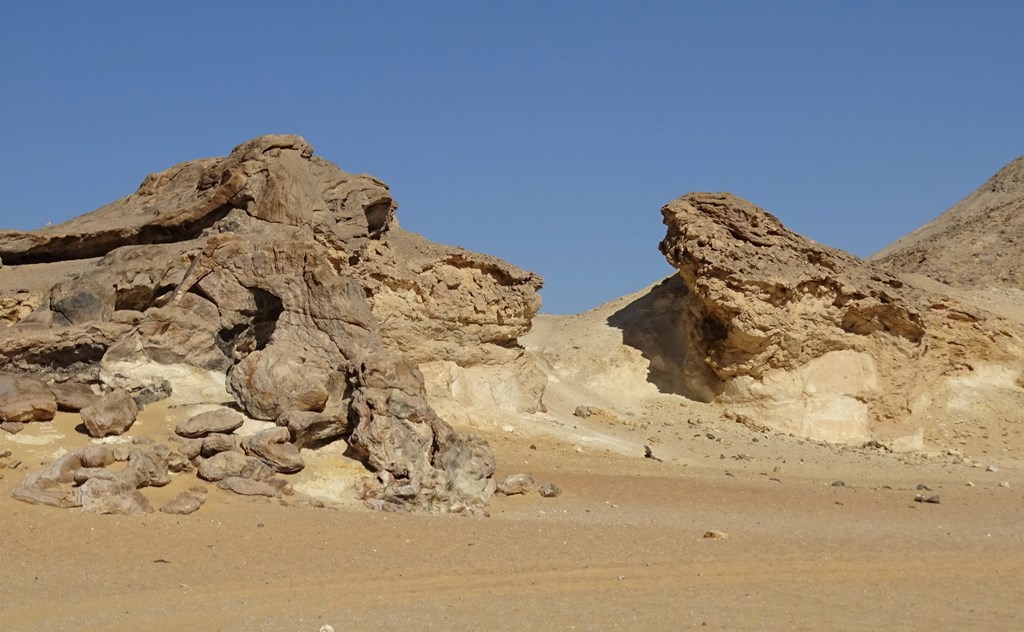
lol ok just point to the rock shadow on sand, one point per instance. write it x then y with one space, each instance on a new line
655 325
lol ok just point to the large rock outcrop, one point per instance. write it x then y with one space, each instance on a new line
292 281
808 338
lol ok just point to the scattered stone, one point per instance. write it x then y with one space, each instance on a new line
248 487
99 489
13 427
649 454
514 484
550 490
924 488
838 484
13 465
716 535
25 399
222 420
931 499
992 468
582 412
113 414
185 502
1004 484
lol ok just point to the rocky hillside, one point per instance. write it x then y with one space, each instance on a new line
977 242
273 280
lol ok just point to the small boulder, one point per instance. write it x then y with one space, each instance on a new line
517 484
104 496
248 487
550 490
222 420
272 447
218 442
114 414
24 398
74 303
312 429
73 397
225 464
186 502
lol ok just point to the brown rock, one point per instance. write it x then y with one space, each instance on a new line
249 487
271 446
222 420
13 427
517 484
225 464
186 502
98 489
98 495
763 297
24 399
114 414
311 430
259 265
217 442
72 396
75 303
550 490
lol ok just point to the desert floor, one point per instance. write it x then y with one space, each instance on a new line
622 548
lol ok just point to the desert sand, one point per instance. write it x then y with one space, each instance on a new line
622 548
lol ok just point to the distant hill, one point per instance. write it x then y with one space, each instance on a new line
980 241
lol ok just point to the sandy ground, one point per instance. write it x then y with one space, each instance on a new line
621 548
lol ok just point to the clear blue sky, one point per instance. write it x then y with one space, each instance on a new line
548 133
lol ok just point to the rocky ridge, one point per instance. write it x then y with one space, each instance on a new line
977 242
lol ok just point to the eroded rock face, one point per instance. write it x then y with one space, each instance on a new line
764 297
809 339
291 279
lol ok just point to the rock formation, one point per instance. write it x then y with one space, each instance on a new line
292 281
809 339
